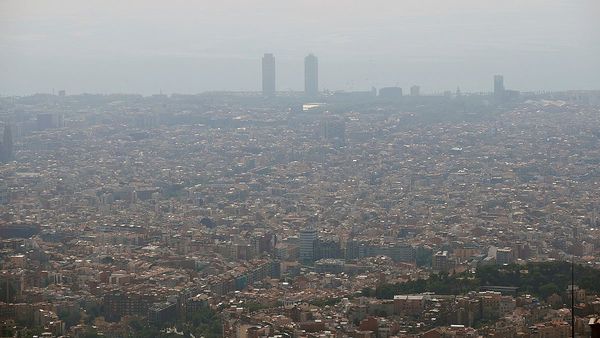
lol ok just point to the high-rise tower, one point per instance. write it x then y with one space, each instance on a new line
7 148
414 90
311 75
268 74
308 237
498 86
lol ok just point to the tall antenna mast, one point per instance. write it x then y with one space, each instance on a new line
573 284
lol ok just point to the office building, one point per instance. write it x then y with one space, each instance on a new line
504 256
7 147
12 284
268 74
390 93
498 85
311 75
414 90
441 262
308 238
327 248
160 313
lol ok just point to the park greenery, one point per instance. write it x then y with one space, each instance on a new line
538 279
203 323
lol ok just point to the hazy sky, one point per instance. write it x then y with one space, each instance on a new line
106 46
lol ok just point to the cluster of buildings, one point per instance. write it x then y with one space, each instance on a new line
311 83
121 208
311 75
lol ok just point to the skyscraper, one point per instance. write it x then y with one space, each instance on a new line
268 74
6 149
311 75
414 90
308 238
498 85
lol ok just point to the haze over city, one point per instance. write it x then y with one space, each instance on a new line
196 46
299 169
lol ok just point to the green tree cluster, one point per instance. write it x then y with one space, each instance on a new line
203 323
539 279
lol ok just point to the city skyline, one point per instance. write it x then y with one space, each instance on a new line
269 88
268 80
300 169
183 47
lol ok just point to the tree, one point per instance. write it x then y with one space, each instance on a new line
548 289
70 317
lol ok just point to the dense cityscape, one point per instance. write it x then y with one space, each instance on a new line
368 214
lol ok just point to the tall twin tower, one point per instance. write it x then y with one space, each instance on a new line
6 146
311 75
